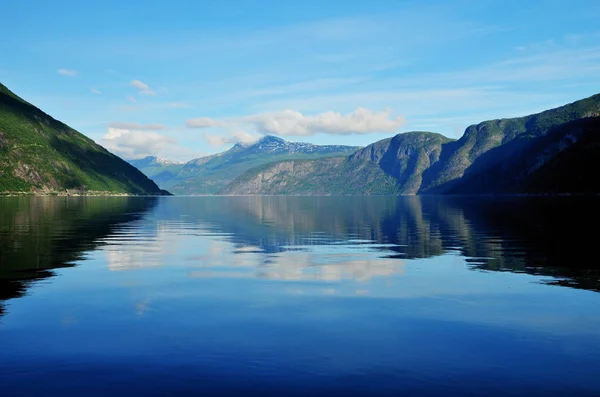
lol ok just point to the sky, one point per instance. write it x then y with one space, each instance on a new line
184 79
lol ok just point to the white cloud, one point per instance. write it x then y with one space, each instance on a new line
67 72
293 123
143 88
361 121
203 122
134 144
136 126
234 137
131 99
96 91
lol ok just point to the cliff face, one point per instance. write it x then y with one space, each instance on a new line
404 157
42 155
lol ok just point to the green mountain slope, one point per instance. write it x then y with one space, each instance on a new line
565 160
555 151
207 175
41 155
496 139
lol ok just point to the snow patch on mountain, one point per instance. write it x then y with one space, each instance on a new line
272 144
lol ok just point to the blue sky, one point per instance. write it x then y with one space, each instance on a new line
182 79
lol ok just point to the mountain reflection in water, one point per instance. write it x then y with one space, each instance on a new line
301 238
536 235
39 234
316 296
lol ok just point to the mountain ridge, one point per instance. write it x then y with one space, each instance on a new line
41 155
487 135
208 174
154 159
501 156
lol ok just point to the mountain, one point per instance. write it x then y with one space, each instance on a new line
555 151
389 166
565 160
206 175
159 170
39 154
495 145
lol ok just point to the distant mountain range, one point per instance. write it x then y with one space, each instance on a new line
556 151
159 170
41 155
206 175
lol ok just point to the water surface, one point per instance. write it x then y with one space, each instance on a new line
299 296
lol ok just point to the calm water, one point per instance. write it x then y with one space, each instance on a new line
299 296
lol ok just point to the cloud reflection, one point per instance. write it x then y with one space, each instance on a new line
356 238
139 250
317 263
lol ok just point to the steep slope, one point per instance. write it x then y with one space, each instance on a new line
565 160
389 166
41 155
555 151
159 170
465 156
207 175
404 157
574 169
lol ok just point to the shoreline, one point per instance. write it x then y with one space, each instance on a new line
76 194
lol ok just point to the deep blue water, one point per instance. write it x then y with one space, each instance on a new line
313 296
